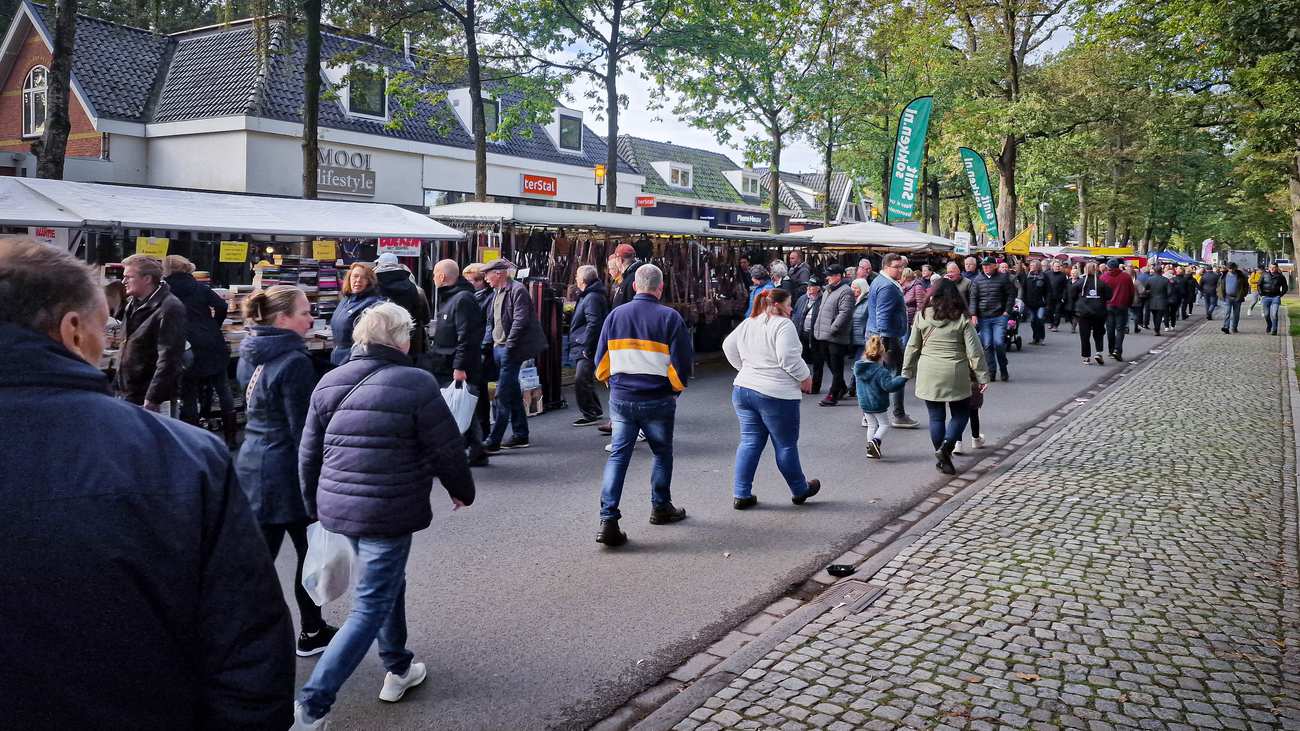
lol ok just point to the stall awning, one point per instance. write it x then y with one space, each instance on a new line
566 218
878 235
32 201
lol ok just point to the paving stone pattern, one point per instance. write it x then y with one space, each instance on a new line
1133 572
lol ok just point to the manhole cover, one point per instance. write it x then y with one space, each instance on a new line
852 596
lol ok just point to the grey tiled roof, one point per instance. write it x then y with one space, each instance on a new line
210 75
816 181
116 65
708 183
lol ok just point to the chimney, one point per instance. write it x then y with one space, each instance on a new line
406 46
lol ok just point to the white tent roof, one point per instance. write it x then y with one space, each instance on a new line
870 233
32 201
567 217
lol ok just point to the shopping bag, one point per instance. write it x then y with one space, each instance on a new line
327 568
528 378
461 401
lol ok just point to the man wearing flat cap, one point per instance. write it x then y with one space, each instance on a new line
516 337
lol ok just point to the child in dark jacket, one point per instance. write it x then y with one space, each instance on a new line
875 383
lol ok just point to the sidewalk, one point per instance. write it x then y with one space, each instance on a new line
1136 570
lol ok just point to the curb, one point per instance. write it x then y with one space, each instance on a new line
1289 667
671 700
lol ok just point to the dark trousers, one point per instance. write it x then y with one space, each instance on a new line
834 355
975 422
196 401
584 388
1136 313
1188 304
1038 323
815 357
1091 332
1054 313
1116 328
1156 319
308 612
940 432
1171 314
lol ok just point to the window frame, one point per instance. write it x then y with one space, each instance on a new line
559 132
676 171
746 181
374 69
29 93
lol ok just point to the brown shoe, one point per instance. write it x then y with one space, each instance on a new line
606 428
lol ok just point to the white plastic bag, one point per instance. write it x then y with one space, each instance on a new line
461 401
528 377
327 569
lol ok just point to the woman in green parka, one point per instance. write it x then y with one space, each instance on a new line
941 353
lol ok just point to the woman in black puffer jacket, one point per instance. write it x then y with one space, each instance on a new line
377 434
1090 295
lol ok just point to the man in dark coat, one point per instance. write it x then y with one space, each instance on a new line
1209 289
204 314
804 317
991 297
1157 300
483 295
517 336
1233 286
396 285
628 264
1190 289
1037 294
129 549
1058 284
457 339
153 350
584 333
1177 290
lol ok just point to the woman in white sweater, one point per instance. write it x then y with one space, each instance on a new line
765 348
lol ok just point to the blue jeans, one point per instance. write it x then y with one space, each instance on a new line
655 418
956 425
1232 316
508 408
1211 303
993 336
760 417
1272 312
1038 323
378 612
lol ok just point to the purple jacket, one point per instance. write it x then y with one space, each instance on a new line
367 468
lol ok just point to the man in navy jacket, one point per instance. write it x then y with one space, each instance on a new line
137 590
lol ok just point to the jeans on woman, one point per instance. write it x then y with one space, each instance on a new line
308 612
955 426
378 612
760 417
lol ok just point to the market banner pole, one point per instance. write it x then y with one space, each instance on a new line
909 146
977 173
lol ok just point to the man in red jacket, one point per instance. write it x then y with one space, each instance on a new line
1124 292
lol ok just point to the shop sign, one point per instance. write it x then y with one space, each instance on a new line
540 185
400 247
489 254
50 236
707 214
233 252
153 246
645 201
962 241
748 219
324 250
344 171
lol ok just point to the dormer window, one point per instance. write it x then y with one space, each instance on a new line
35 101
366 94
491 115
750 185
679 176
570 133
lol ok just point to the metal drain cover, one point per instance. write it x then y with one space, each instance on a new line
851 596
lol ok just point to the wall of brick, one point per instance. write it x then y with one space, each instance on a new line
84 141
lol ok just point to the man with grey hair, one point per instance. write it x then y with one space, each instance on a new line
128 543
781 280
584 333
153 327
516 337
645 355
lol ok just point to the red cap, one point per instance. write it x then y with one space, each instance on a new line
624 250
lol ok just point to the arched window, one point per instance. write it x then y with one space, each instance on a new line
34 101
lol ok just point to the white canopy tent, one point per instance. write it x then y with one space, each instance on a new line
870 234
566 218
38 202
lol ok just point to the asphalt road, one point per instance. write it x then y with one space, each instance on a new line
525 622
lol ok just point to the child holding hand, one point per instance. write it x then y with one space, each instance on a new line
874 384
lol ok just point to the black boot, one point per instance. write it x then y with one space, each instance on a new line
610 535
667 514
943 458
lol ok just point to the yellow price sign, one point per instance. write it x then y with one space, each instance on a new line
151 246
233 252
324 250
489 254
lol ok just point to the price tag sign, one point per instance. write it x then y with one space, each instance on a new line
489 254
324 250
151 246
233 252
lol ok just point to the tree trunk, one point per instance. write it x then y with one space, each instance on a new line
829 151
774 188
1293 187
478 122
923 194
1083 211
612 55
53 146
933 186
1006 162
882 205
311 99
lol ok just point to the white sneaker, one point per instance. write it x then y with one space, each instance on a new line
302 721
640 437
977 442
395 686
958 448
864 420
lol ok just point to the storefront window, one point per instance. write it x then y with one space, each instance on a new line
570 133
444 197
368 92
34 102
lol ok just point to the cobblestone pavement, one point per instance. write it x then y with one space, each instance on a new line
1137 570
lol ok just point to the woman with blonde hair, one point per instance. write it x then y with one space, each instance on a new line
360 293
278 377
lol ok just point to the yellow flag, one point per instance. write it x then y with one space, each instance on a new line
1020 244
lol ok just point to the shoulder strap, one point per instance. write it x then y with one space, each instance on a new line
354 388
252 384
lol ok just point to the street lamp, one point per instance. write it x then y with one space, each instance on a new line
599 172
